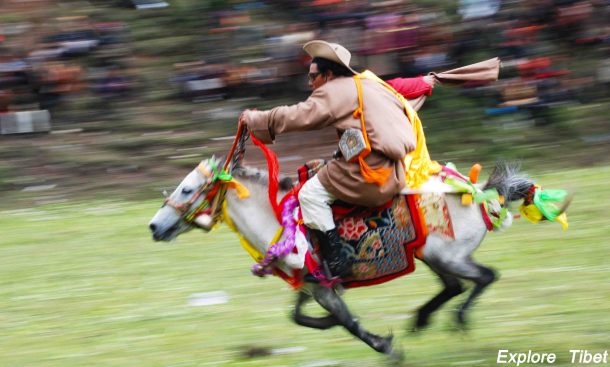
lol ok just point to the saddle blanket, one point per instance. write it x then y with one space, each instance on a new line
382 241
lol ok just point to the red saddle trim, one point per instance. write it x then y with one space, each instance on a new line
342 209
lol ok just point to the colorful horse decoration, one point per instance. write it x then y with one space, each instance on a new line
442 226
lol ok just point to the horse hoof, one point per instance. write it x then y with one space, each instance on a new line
396 356
382 344
416 329
461 317
419 325
462 324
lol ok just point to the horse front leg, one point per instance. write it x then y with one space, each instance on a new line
332 302
321 323
465 268
452 288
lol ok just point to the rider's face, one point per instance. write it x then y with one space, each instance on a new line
316 79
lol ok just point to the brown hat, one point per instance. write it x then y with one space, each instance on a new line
330 51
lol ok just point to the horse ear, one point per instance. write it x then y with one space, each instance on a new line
286 184
213 161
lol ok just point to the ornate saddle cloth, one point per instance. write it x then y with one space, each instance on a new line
382 241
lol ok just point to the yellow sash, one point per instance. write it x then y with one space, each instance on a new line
418 165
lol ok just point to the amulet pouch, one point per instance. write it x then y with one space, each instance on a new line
351 144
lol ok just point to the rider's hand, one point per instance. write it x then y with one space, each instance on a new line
247 116
244 117
431 80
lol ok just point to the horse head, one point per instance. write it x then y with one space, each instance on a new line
194 203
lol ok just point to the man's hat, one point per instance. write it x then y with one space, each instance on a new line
330 51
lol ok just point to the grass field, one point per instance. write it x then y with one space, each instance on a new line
82 284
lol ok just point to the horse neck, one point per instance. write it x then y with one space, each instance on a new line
253 217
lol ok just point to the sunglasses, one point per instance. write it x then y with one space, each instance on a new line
313 76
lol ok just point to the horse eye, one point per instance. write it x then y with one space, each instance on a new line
187 191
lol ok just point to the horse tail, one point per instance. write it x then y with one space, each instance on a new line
509 181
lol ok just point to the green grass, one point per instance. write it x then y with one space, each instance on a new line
82 284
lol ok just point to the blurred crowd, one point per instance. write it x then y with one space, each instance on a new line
42 74
254 48
538 42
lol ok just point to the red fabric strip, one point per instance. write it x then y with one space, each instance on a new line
274 168
488 224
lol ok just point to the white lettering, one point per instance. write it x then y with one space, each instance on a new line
583 356
519 358
536 358
512 357
522 358
574 351
501 356
588 357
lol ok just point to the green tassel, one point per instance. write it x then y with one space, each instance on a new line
547 201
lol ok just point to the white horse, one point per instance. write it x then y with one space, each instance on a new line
201 193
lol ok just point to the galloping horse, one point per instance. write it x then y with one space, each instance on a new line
203 193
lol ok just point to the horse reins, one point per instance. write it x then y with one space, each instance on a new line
236 154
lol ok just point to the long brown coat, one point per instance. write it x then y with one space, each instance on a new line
389 131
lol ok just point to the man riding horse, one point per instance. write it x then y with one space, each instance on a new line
382 150
380 137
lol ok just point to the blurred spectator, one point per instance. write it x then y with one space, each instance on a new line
571 18
603 77
113 84
380 42
55 80
199 81
519 39
74 43
5 101
473 9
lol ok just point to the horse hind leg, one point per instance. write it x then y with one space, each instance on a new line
483 278
329 300
452 287
321 323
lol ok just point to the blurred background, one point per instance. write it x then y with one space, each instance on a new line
106 103
123 96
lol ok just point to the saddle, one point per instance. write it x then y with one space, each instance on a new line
381 242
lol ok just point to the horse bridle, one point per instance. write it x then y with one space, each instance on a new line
185 211
210 205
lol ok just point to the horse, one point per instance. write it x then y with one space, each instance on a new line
197 203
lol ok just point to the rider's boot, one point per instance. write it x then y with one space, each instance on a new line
339 261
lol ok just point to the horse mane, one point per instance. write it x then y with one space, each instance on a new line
510 182
262 177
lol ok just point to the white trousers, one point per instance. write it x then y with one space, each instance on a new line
315 203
